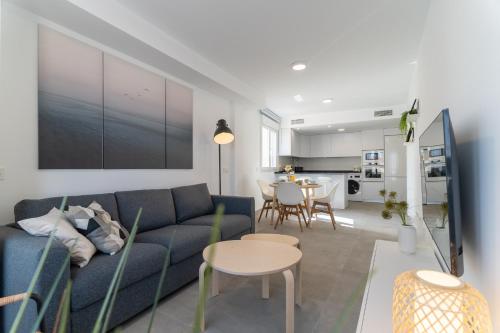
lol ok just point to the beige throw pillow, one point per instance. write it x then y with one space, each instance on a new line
81 249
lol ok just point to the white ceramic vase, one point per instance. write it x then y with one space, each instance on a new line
407 237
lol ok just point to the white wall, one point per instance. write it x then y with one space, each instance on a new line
459 68
247 152
18 132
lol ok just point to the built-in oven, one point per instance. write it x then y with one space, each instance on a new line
373 173
433 154
373 157
435 171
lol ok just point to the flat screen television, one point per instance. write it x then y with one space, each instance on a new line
441 191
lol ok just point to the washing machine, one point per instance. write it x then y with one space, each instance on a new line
354 187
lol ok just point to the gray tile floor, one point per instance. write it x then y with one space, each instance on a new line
335 264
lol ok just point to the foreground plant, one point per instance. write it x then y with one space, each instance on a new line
392 206
214 238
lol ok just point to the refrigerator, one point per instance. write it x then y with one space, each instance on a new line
395 165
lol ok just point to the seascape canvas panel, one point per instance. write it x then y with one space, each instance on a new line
179 124
134 116
69 103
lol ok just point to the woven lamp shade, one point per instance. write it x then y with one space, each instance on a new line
435 302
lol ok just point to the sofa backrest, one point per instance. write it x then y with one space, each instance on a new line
157 208
192 201
29 208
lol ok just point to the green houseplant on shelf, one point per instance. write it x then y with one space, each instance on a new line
407 233
407 122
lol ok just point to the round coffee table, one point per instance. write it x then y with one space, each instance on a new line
254 258
278 238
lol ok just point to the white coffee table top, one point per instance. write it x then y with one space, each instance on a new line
252 257
278 238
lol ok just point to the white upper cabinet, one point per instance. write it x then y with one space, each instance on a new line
285 145
345 144
372 139
305 145
321 145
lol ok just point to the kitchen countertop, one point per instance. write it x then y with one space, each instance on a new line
320 171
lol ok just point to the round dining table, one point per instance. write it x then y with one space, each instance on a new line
304 186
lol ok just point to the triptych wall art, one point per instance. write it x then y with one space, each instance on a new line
97 111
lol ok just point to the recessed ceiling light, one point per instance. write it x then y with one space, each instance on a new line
327 101
341 129
414 62
298 66
329 126
298 98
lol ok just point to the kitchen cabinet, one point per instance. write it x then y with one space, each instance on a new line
398 185
321 146
304 145
371 191
345 144
395 165
285 144
372 139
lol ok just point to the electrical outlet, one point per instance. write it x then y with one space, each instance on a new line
2 173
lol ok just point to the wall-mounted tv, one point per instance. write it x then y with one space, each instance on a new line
441 191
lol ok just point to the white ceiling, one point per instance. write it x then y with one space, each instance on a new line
358 51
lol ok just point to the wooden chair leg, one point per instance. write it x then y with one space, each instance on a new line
279 217
262 211
269 206
304 216
298 216
330 211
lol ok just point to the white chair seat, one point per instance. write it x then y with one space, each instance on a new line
325 199
267 196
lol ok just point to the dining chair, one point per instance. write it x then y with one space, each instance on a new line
326 184
324 203
267 194
290 198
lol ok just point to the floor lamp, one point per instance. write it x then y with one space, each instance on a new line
222 136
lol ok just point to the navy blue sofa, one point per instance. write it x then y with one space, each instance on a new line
186 210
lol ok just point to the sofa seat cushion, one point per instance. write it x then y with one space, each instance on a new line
192 201
231 224
188 240
91 283
157 208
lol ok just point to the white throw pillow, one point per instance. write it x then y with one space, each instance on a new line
81 249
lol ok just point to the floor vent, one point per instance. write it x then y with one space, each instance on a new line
297 121
382 113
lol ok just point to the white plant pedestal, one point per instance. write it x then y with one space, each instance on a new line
407 237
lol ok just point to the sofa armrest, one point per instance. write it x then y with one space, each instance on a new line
237 205
20 254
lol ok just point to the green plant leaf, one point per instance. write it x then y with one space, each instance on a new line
393 194
403 122
65 306
382 193
160 284
386 214
36 275
214 237
107 305
50 294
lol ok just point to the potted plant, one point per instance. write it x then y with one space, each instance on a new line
407 233
407 122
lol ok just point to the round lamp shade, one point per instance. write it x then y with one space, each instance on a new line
223 134
434 302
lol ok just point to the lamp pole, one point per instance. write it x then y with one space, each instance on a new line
223 135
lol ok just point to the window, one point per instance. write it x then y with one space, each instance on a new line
269 149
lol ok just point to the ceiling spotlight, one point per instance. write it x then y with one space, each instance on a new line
329 126
414 62
298 98
327 101
341 129
299 66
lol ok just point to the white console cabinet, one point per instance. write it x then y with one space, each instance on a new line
387 263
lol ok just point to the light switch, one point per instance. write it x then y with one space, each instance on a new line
2 173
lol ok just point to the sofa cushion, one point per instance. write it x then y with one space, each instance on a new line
231 224
188 240
192 201
29 208
91 283
157 208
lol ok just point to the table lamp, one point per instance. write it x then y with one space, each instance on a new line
222 136
434 302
